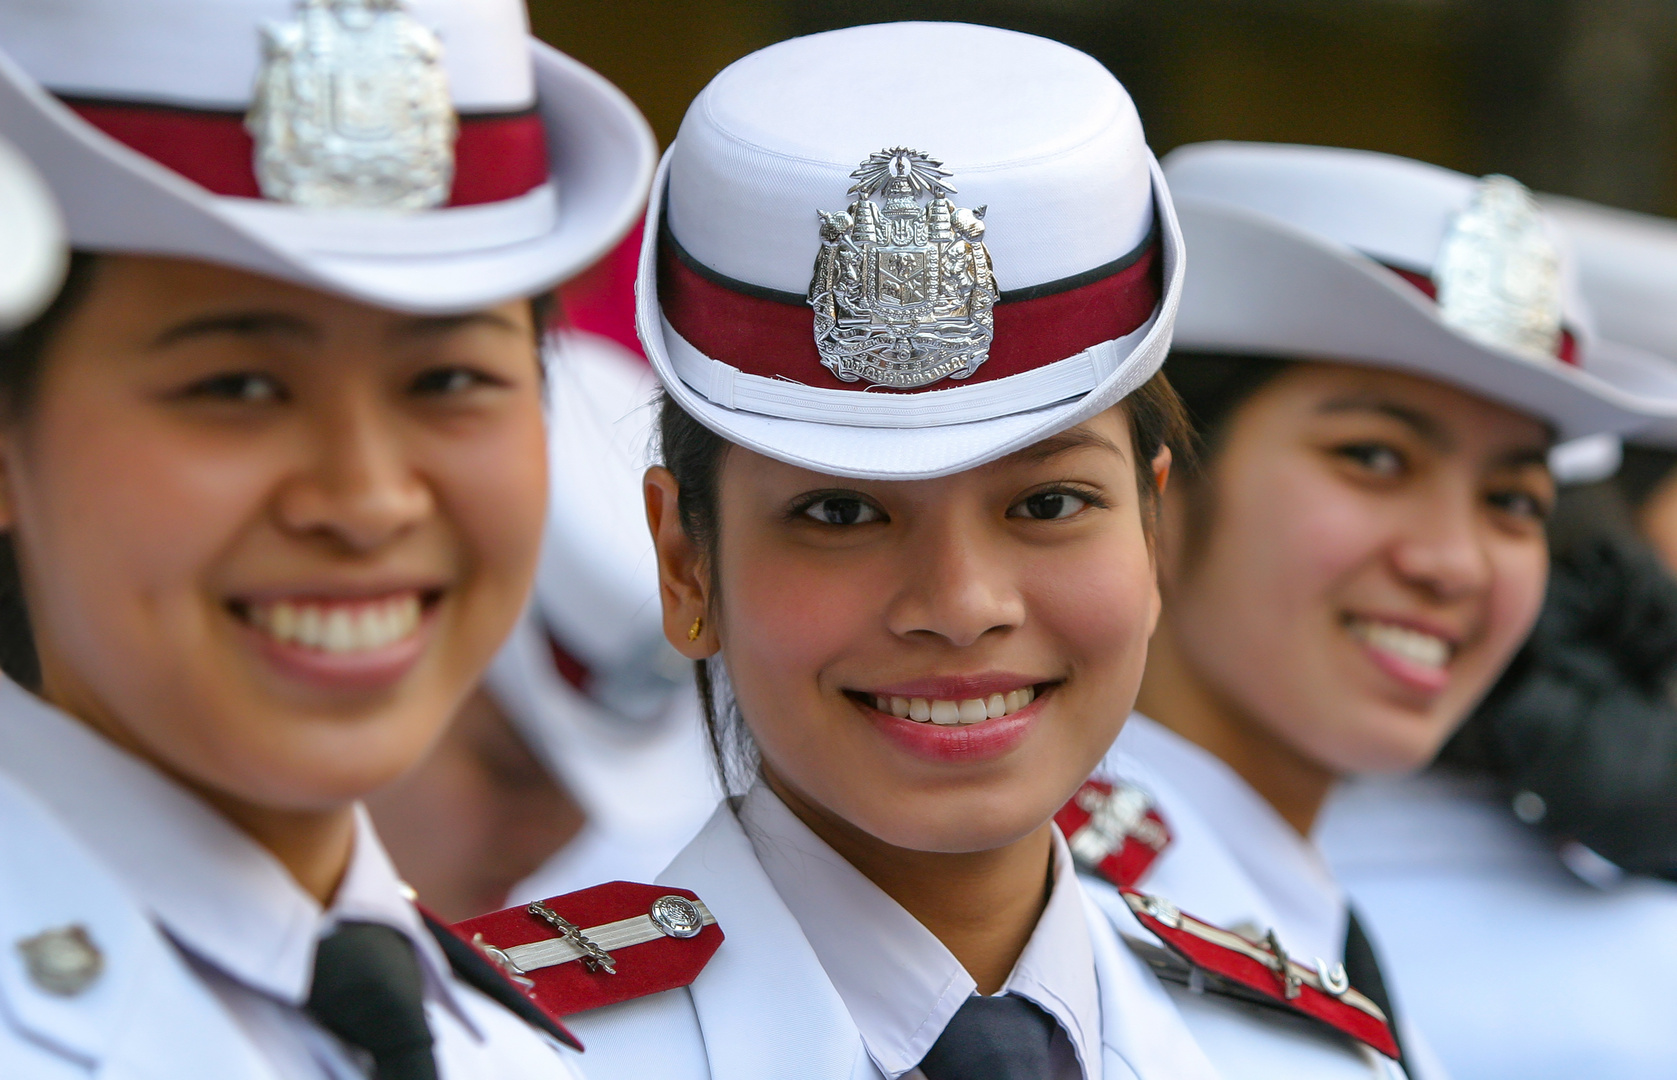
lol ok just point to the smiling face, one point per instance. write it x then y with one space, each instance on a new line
1362 560
269 538
936 664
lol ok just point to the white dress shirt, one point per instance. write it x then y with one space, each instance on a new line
238 917
900 983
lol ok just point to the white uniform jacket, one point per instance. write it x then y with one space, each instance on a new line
1513 964
194 947
765 1009
130 1021
1233 862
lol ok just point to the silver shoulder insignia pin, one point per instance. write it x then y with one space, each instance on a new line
903 288
63 961
352 109
1498 273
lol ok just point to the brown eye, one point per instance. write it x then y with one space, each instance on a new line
1377 458
1049 506
237 386
842 510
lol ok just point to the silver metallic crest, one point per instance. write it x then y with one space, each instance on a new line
352 109
677 916
903 287
64 961
1499 274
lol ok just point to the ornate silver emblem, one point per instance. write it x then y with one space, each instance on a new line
677 916
1498 273
903 287
352 109
64 961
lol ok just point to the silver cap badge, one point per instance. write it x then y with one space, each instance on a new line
352 109
63 961
903 287
1498 273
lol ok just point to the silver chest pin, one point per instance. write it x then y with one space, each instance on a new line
63 961
352 109
903 289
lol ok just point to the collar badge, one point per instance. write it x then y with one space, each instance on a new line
352 109
1499 274
903 287
63 961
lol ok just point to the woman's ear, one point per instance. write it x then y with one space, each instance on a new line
683 572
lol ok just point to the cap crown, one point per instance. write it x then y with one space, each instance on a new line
207 53
1038 132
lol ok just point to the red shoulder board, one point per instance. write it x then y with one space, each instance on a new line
610 943
1113 830
1321 992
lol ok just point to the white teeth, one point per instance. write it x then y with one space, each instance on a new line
950 713
339 628
1411 645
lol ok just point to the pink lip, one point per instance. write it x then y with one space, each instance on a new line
351 673
1428 681
957 687
969 743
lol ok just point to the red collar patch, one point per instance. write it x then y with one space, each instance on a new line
1323 993
606 944
1113 830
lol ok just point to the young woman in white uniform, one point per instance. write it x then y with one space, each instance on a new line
1378 355
916 598
272 476
1555 818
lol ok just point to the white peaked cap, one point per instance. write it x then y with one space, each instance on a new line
1301 251
1034 133
1627 269
551 162
31 241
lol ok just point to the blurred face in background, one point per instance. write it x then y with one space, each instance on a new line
1360 560
270 537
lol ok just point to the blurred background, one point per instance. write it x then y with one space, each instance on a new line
1570 96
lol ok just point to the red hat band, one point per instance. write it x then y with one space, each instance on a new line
771 334
497 156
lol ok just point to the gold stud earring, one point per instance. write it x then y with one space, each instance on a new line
696 629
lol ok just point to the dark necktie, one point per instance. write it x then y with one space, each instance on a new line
993 1038
369 992
1362 967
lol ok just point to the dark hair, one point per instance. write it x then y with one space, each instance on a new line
694 455
21 357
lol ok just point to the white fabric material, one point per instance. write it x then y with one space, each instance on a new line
205 54
1627 266
1513 966
1288 246
900 983
1045 138
442 261
1042 135
765 1007
32 237
1235 863
240 920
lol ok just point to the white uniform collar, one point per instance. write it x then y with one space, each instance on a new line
220 895
1232 858
899 982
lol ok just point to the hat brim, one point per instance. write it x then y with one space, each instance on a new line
1263 287
904 453
116 199
31 238
1653 379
